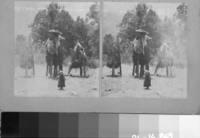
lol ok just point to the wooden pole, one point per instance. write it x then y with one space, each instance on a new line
120 67
113 66
26 64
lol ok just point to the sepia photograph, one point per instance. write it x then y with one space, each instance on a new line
144 50
56 49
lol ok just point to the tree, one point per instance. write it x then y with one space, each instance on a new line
108 43
92 19
93 15
128 25
82 31
174 32
180 28
56 17
53 11
141 17
40 26
53 17
65 24
181 13
20 44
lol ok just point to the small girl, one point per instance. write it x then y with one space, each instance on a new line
147 79
61 80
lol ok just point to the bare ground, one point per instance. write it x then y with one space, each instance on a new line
124 87
130 87
43 86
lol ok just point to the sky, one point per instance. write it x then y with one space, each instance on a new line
163 9
25 11
114 12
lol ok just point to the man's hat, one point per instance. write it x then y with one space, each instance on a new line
141 31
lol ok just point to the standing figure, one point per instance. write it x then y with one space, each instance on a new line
61 80
77 49
165 59
78 59
147 79
54 52
141 52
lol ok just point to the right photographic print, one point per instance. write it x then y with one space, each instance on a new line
144 50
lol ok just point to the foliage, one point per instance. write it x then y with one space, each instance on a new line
181 13
53 17
23 52
108 44
175 33
141 17
93 21
81 30
127 51
56 17
93 63
20 44
93 15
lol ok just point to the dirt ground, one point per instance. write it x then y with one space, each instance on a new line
43 86
124 87
129 87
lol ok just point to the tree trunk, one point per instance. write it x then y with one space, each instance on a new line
167 71
113 66
120 68
84 71
80 71
170 67
26 64
113 70
33 66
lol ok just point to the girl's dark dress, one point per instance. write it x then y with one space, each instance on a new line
61 81
147 80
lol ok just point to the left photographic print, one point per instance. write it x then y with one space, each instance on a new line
56 49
